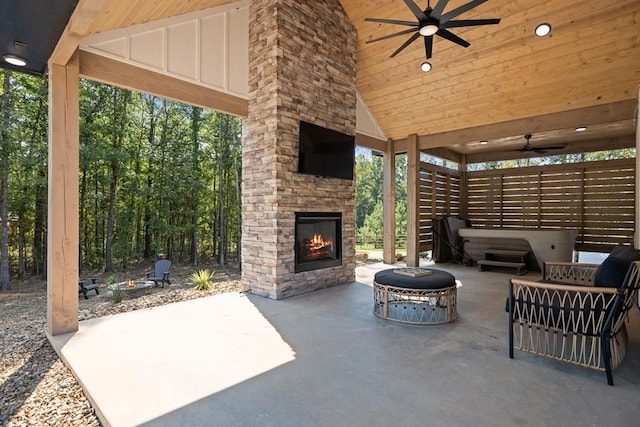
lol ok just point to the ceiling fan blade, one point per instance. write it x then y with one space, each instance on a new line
445 34
428 46
437 11
399 33
459 11
469 23
392 21
405 44
416 10
541 150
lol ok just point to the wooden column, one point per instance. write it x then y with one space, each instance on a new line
389 204
413 202
463 186
636 236
63 230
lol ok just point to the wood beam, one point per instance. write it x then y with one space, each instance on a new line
636 237
601 114
603 144
463 186
389 204
413 202
106 70
80 23
63 221
371 143
445 153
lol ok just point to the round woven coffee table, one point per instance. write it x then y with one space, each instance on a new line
415 295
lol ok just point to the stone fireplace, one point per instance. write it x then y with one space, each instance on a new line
296 74
318 242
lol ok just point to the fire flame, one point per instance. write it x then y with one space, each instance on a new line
318 242
316 248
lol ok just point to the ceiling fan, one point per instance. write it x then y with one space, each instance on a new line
433 22
529 148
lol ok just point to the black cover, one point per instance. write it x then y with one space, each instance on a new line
612 271
447 244
436 280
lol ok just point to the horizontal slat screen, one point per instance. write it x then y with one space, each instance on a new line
596 198
439 196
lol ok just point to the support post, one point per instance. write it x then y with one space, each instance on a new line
413 202
636 234
463 186
389 204
63 230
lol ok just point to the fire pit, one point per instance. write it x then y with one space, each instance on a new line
132 285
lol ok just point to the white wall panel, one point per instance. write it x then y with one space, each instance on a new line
182 48
213 46
147 48
238 58
209 47
117 47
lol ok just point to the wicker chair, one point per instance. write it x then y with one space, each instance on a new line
567 318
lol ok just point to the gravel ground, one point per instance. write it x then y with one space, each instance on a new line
36 389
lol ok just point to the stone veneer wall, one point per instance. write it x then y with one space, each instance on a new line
301 67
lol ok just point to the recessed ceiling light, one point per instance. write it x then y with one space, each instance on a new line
581 128
425 66
15 60
484 142
543 29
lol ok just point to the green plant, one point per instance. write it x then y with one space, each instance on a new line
118 294
202 280
110 280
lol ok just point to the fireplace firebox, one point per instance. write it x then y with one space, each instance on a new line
318 242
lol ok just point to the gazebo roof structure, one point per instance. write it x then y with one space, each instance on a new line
474 105
507 83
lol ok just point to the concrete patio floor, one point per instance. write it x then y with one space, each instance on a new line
324 359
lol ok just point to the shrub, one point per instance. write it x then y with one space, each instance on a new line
118 294
202 280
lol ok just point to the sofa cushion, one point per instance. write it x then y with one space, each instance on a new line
613 270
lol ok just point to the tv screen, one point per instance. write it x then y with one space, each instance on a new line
325 152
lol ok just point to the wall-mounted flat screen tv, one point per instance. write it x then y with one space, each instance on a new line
325 152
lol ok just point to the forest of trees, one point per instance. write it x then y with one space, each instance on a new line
157 179
369 184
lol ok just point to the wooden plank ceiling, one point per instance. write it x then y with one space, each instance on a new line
507 74
506 84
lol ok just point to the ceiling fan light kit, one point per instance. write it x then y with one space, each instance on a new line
432 22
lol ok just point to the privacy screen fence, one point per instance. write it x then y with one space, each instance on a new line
440 195
595 198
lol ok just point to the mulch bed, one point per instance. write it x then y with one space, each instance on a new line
36 388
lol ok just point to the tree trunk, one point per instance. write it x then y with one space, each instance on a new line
39 225
4 182
195 127
120 102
